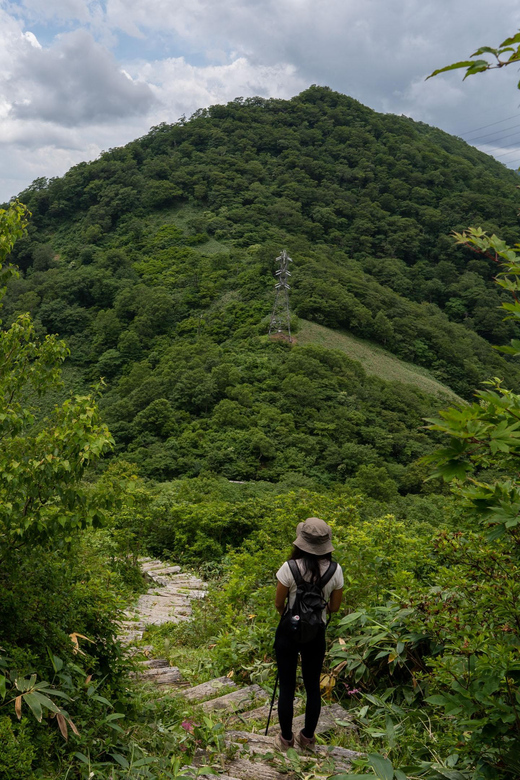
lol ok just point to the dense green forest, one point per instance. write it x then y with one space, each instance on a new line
155 263
138 380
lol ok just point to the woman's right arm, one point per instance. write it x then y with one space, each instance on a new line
282 592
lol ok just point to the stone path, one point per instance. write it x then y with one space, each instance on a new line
248 754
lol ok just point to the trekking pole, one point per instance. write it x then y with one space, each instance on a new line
272 702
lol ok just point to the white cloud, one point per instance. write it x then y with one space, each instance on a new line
71 98
182 88
32 39
76 81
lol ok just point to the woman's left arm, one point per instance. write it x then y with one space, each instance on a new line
282 592
335 600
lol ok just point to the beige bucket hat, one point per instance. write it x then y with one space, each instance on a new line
314 536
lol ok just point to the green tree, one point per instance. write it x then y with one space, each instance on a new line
476 680
42 462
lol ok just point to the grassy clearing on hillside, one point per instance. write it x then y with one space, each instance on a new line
181 216
375 360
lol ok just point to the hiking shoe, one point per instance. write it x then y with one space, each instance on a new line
306 743
283 744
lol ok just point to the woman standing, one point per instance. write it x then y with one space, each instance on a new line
312 556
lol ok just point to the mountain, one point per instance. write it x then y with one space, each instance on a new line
155 262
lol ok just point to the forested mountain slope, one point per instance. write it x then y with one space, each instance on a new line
156 263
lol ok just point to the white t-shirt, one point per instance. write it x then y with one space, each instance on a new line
284 575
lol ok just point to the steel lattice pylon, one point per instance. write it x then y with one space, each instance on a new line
281 317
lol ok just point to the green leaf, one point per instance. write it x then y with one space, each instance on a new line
381 766
102 700
121 760
463 64
485 50
144 761
509 41
32 700
390 731
399 775
437 699
57 663
451 774
350 618
477 67
45 701
43 688
3 686
114 716
344 776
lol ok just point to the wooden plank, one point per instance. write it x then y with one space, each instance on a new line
262 713
258 744
208 689
168 676
194 771
157 672
162 570
154 663
244 769
238 700
327 722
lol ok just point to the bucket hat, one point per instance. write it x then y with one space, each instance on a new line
314 536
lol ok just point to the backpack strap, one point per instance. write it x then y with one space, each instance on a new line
326 577
295 571
329 574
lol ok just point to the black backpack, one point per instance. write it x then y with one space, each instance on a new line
303 620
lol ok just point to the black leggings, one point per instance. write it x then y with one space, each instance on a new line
312 655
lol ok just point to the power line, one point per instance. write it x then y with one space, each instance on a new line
476 129
497 145
506 153
487 135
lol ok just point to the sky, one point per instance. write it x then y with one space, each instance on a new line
81 76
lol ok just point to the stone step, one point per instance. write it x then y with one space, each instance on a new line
167 595
144 649
162 609
208 689
262 713
168 677
194 771
162 570
241 699
191 579
245 769
162 597
130 625
155 663
257 744
155 674
131 636
152 564
167 589
160 621
179 589
327 722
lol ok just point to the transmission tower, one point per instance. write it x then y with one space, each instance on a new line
281 317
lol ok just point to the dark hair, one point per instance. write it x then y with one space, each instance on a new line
311 561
